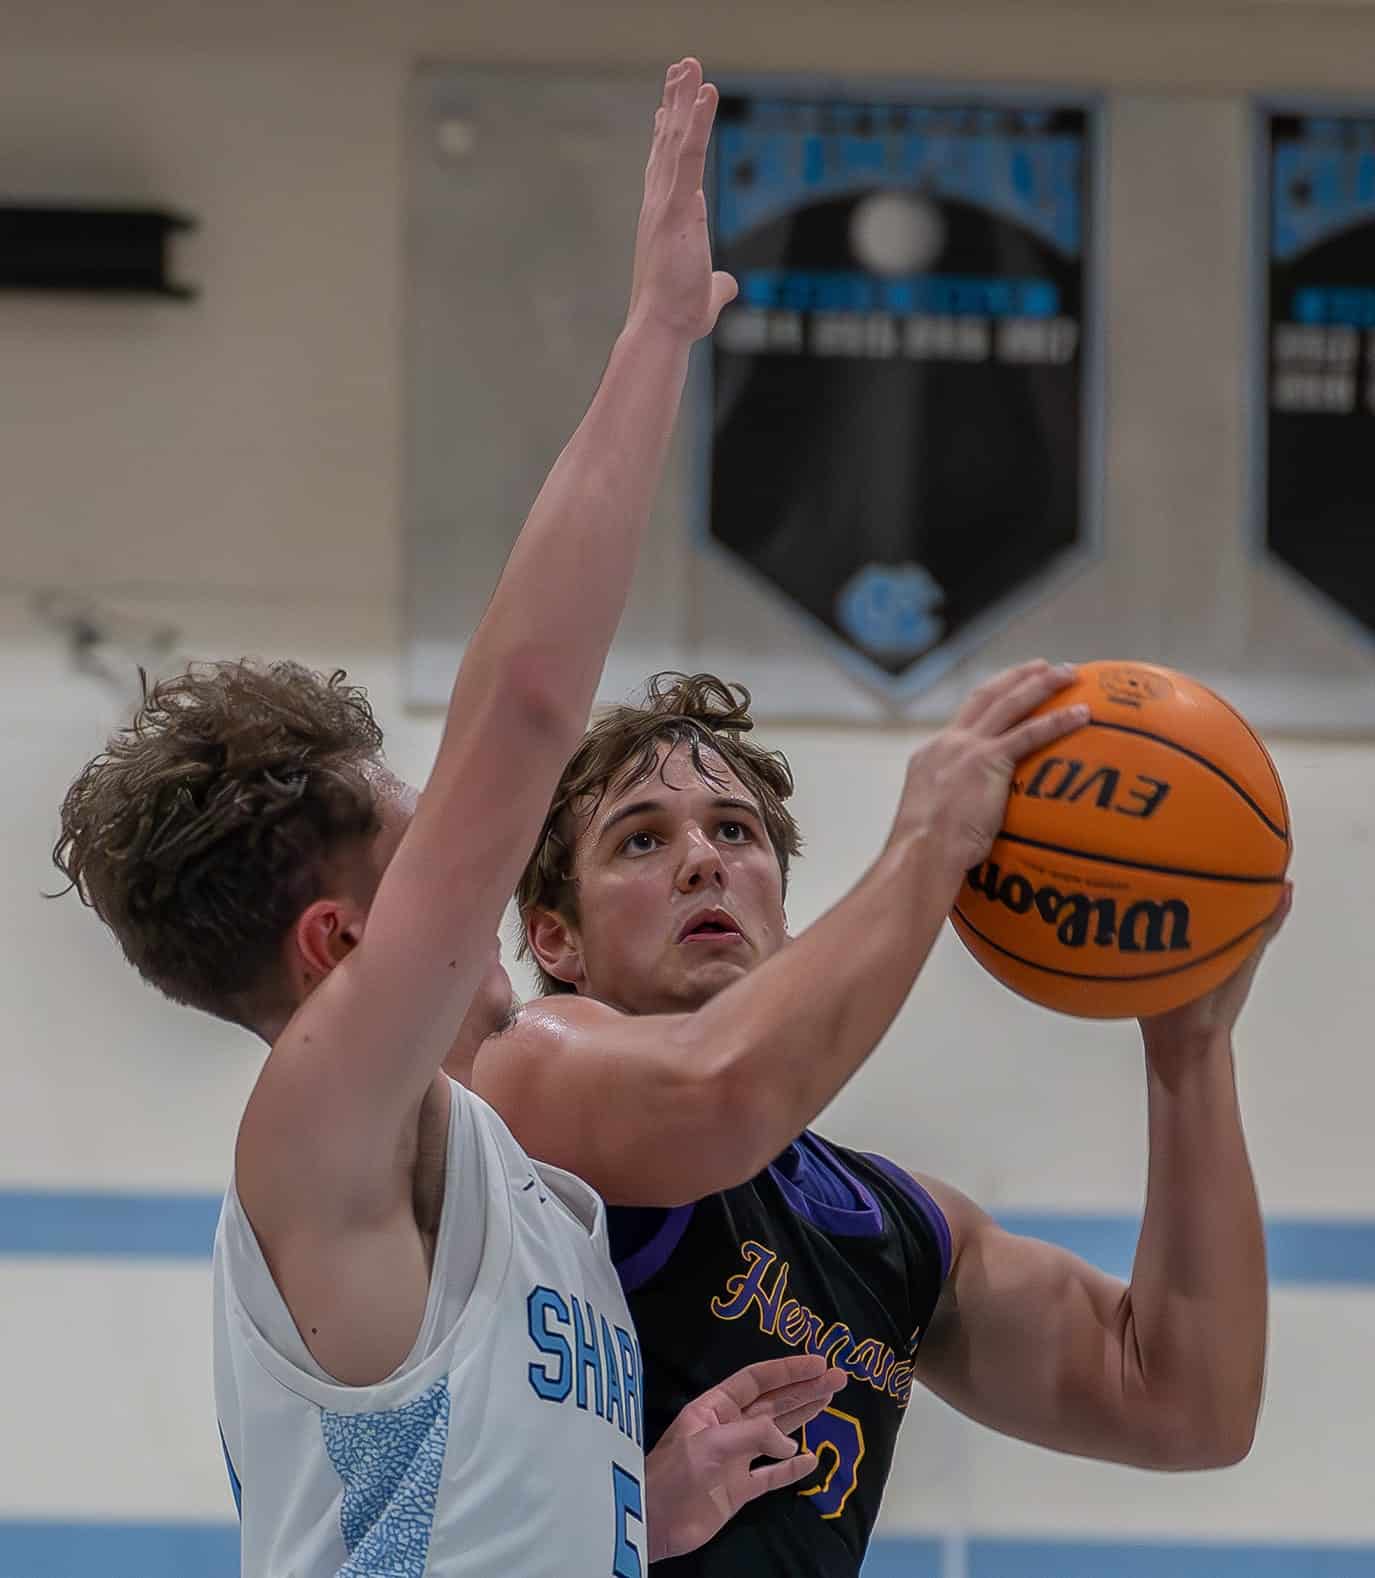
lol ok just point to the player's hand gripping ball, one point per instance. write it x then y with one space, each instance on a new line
1141 856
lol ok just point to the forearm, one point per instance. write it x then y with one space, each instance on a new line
1198 1287
556 607
785 1039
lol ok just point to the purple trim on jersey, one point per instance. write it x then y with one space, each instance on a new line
935 1217
636 1269
814 1158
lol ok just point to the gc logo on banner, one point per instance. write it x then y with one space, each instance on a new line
891 610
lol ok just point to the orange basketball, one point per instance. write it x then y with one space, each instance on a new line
1140 857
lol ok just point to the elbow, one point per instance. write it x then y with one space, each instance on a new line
1217 1451
536 690
1230 1432
1213 1440
1230 1443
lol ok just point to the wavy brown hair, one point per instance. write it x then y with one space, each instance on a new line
700 711
208 824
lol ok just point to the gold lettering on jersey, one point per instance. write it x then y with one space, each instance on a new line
763 1287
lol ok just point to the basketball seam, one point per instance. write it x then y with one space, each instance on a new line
1137 865
1160 739
1265 755
1113 980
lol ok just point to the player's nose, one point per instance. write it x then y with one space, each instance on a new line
701 864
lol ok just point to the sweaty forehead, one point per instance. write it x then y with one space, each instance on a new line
673 773
394 795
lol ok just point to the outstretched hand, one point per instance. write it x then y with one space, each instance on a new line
698 1476
673 283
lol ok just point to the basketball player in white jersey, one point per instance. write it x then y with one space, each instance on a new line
423 1360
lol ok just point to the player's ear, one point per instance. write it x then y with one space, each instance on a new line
324 933
556 946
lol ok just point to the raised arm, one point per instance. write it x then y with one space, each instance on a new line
662 1109
338 1100
1165 1372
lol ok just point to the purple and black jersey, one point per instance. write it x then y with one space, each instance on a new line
826 1251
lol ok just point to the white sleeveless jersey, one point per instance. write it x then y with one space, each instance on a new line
509 1444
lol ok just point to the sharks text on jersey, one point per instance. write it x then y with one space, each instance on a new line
585 1360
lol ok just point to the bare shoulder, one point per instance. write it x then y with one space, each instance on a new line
964 1218
567 1011
604 1094
547 1025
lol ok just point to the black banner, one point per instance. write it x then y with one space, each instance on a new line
1320 329
900 400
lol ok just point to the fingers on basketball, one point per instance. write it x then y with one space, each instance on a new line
1044 730
985 696
1022 698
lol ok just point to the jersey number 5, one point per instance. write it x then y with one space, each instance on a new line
838 1441
629 1504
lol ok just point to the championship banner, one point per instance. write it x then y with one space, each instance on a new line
903 392
1320 334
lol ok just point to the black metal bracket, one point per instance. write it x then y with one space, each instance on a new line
73 248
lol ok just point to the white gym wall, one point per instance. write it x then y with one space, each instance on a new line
234 469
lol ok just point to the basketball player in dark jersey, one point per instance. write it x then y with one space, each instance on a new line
653 907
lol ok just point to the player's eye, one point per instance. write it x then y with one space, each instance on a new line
735 832
640 843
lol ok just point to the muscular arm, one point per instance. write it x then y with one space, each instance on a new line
662 1109
1165 1372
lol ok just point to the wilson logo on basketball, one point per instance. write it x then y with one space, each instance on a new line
1142 926
1062 778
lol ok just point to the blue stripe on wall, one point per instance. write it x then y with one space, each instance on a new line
1073 1559
1299 1250
903 1558
119 1550
211 1550
180 1227
153 1226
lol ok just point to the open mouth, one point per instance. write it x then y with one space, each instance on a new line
715 926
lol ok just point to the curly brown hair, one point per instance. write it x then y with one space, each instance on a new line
621 748
207 825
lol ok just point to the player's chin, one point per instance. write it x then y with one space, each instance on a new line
705 976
